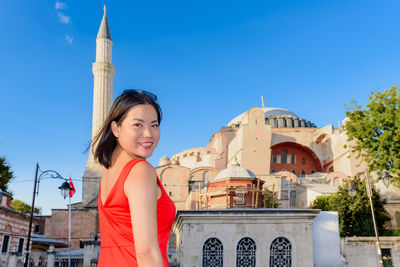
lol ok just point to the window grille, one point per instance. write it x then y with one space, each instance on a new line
20 245
284 156
280 253
212 253
387 257
293 201
246 253
6 240
274 158
284 194
206 178
240 197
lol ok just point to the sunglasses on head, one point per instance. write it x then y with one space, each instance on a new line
135 92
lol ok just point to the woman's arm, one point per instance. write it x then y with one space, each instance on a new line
141 190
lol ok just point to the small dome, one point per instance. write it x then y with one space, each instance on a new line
286 117
234 172
275 112
164 161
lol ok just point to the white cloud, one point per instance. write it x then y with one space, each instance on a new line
60 5
69 38
63 18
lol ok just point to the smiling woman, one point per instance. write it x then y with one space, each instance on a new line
135 212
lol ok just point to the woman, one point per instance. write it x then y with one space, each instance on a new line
135 213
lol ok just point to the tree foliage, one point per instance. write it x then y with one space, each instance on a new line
355 217
270 199
6 175
21 206
376 131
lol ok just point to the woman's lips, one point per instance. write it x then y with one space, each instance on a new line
146 145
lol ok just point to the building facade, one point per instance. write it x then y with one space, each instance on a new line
257 237
14 227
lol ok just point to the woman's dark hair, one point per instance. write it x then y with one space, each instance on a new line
104 143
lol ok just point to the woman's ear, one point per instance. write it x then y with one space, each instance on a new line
115 129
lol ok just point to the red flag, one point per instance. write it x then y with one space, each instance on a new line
72 191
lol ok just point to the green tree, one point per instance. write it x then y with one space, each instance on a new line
355 217
322 203
376 131
269 199
6 175
21 206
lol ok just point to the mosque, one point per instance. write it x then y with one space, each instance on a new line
264 150
287 154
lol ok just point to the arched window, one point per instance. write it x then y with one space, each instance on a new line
273 171
206 178
213 253
274 158
266 121
294 171
303 161
246 253
191 184
312 171
284 123
284 156
303 172
276 123
280 253
293 158
292 122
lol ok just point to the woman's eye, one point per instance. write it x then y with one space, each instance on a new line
155 125
137 125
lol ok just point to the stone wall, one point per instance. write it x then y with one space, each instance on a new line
83 222
361 251
193 228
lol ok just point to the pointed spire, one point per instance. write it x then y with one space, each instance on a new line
104 31
262 102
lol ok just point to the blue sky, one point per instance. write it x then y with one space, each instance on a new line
207 61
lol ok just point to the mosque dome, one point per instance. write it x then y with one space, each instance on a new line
277 118
235 171
164 161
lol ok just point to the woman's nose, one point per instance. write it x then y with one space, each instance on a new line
148 132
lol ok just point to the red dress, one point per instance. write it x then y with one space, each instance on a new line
117 243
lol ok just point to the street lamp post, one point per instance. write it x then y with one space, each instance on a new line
378 245
48 174
65 188
352 192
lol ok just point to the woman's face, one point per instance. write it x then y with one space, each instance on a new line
138 133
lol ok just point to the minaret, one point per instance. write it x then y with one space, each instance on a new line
103 72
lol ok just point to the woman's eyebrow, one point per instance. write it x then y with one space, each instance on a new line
143 120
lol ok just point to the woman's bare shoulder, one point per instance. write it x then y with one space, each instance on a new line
142 172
